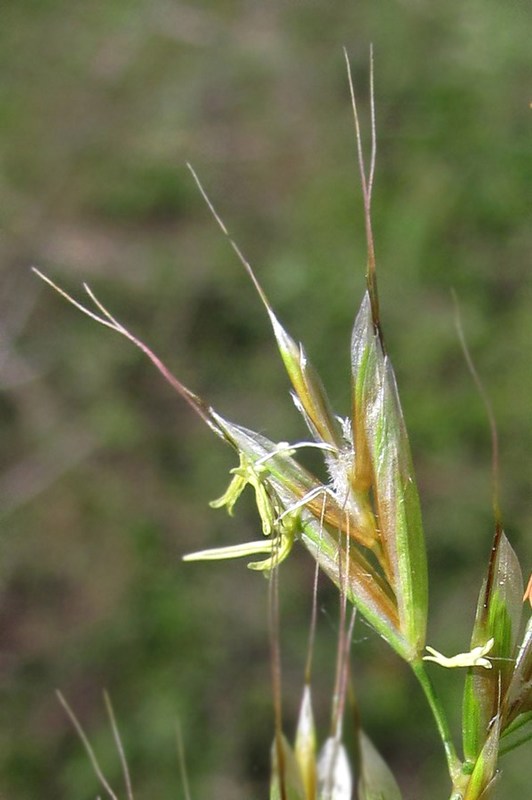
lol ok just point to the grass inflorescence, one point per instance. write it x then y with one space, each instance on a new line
363 527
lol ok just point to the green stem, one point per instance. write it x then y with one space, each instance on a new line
453 762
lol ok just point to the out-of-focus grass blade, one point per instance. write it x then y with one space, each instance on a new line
305 745
381 439
335 781
498 616
285 772
516 734
376 781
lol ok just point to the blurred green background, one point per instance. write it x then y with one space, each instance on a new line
105 474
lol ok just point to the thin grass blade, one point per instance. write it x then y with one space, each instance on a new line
516 734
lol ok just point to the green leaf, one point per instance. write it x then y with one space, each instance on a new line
498 616
376 781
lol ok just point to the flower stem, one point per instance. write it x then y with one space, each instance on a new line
453 762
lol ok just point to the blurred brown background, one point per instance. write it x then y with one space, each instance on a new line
105 474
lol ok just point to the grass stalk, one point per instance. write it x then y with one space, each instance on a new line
454 764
